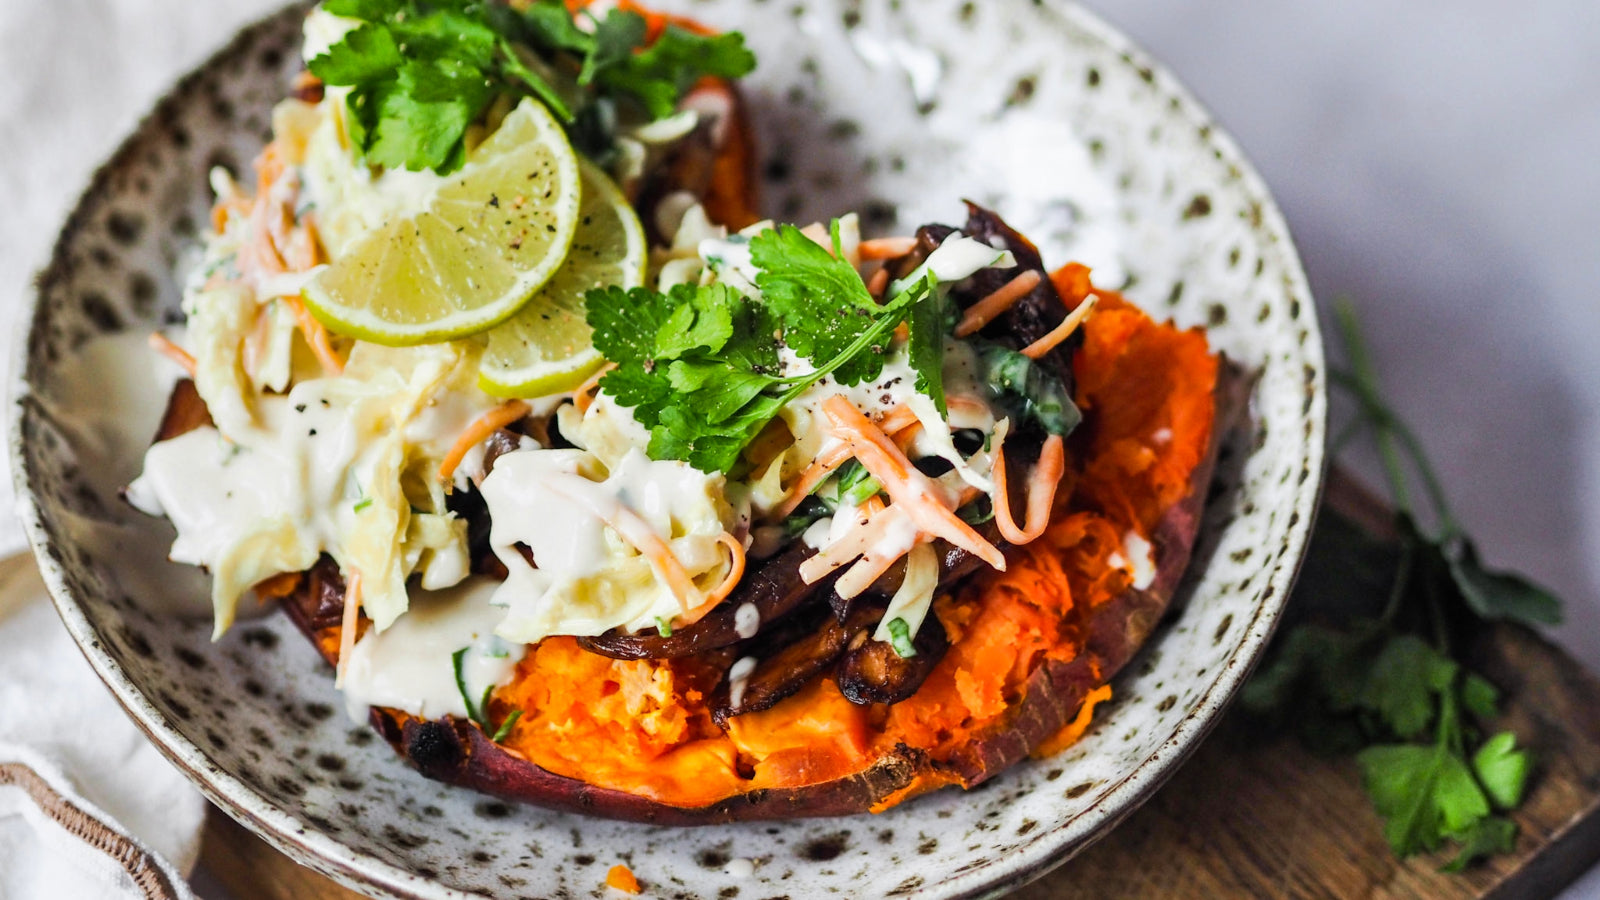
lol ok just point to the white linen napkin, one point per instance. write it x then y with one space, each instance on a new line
88 808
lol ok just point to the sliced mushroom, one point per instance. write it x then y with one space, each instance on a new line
873 672
786 663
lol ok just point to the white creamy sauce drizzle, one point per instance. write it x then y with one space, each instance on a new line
746 620
1142 559
410 667
298 480
958 258
739 679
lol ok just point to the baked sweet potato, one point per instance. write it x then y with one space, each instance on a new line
459 752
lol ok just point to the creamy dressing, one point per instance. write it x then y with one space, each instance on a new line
739 679
957 259
410 667
914 597
1141 557
746 620
318 470
586 578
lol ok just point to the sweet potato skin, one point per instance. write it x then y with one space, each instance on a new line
458 752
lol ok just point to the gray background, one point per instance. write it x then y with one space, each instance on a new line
1437 162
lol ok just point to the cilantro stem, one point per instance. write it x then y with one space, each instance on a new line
535 82
1390 433
1402 580
863 340
1365 385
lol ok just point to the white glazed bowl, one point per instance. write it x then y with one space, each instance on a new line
895 109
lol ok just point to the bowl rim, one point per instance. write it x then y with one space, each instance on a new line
361 870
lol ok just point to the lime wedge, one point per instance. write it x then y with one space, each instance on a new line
544 348
481 244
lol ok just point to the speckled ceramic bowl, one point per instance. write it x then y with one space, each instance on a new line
895 109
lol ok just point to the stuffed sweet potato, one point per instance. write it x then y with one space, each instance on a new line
836 523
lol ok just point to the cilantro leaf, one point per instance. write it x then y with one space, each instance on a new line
1480 698
613 42
367 52
1422 792
1486 837
550 26
660 74
817 295
625 324
1403 681
1025 390
702 321
700 365
422 71
1389 674
1502 769
928 324
1501 595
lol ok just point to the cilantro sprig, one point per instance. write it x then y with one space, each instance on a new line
701 365
420 72
1390 687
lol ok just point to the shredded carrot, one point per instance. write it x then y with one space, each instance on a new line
991 307
818 472
906 435
621 878
907 487
164 346
878 282
859 540
736 561
735 569
1041 492
317 337
887 248
348 623
866 570
901 422
1063 331
583 397
898 419
478 432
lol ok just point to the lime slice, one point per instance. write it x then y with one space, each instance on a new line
484 241
544 348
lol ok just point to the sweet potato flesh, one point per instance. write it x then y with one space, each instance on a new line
644 726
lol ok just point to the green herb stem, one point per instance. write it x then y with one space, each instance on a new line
1365 384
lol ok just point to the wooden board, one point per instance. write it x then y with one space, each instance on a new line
1252 815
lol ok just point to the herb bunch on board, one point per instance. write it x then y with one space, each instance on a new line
1391 687
420 72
